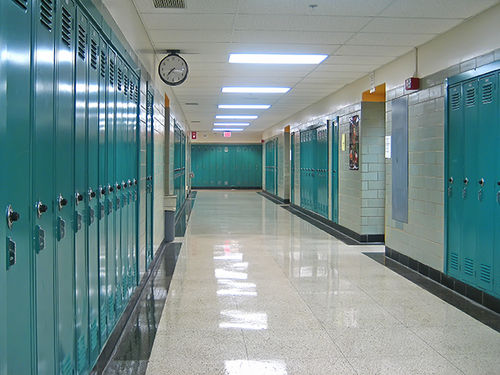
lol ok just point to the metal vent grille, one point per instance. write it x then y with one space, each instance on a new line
82 40
173 4
103 63
485 273
470 97
46 9
454 261
131 91
67 23
125 86
111 72
487 94
469 266
119 80
455 101
93 54
136 95
22 3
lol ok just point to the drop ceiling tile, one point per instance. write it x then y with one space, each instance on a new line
357 60
437 9
192 6
291 37
346 68
182 36
390 39
369 50
407 26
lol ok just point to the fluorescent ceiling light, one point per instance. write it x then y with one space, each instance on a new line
236 117
227 130
231 123
272 58
256 90
244 106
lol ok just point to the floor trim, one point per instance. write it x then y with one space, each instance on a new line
427 282
477 295
273 198
226 187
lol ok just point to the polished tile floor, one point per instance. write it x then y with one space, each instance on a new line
258 291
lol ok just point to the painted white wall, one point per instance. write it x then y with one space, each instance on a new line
218 137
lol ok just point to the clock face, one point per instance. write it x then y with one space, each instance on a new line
173 70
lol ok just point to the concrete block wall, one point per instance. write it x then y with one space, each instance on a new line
296 169
280 166
423 237
142 177
159 170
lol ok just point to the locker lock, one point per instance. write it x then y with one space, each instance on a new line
466 181
481 182
102 190
91 194
12 216
135 182
124 184
118 186
451 180
61 201
40 208
78 198
110 188
129 183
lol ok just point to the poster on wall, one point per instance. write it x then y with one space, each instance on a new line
354 143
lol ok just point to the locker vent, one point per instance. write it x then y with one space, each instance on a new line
82 39
136 95
131 91
111 72
125 86
67 366
175 4
46 13
470 96
81 354
119 80
67 21
93 335
93 54
487 96
454 261
455 101
485 273
22 3
103 63
469 266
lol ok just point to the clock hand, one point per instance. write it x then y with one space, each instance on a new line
171 70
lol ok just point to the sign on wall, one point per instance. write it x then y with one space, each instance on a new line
354 143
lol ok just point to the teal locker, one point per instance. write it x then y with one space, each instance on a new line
111 244
16 332
102 194
149 176
64 187
292 167
486 181
496 177
81 269
93 182
43 183
321 171
334 126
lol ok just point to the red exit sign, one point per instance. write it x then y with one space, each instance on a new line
193 135
227 134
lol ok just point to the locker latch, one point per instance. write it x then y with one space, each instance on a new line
91 215
40 208
91 194
61 228
78 221
11 252
110 207
78 198
101 211
117 203
39 239
12 216
61 202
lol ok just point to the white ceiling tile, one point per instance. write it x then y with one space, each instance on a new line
192 6
437 8
187 21
291 37
408 26
181 36
370 50
390 39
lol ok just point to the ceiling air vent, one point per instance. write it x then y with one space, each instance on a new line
172 4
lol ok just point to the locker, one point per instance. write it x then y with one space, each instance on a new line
43 182
149 176
102 193
17 333
496 177
334 126
64 187
81 200
292 167
91 218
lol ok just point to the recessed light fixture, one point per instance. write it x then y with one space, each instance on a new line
256 90
192 103
274 58
244 106
227 130
231 123
236 117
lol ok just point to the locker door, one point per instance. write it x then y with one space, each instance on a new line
92 189
149 174
64 187
485 185
496 176
43 182
135 150
102 195
81 270
16 330
469 192
292 167
335 169
111 244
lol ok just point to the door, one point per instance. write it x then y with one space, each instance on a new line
15 197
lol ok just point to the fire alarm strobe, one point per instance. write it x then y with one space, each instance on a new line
412 83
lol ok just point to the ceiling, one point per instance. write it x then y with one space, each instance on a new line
358 35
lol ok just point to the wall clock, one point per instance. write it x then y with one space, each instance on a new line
173 69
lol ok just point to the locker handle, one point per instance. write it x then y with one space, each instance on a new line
103 191
61 201
481 182
451 180
91 194
12 216
110 188
135 181
118 186
40 208
78 197
129 183
466 181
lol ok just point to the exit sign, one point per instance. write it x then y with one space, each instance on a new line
227 134
193 135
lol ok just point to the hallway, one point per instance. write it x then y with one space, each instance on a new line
257 290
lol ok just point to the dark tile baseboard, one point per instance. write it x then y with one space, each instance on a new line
360 239
226 187
449 282
273 198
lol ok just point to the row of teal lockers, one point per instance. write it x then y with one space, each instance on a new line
179 166
473 182
69 106
271 167
226 166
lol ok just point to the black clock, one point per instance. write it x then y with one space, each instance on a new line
173 69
